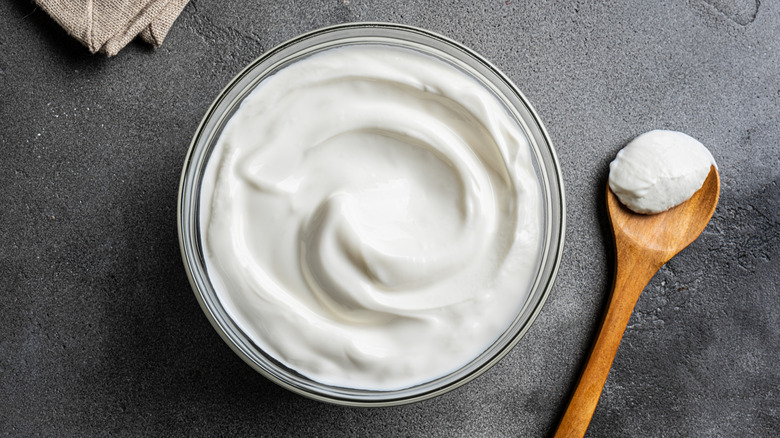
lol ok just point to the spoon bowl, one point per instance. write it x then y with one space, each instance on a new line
643 243
670 231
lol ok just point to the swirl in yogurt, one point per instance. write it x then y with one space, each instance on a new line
371 218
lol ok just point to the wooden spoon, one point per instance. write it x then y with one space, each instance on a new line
643 243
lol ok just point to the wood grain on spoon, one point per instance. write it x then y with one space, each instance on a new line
643 243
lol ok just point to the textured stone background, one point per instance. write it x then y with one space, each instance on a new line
100 334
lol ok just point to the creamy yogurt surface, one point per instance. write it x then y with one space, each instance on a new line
371 217
659 170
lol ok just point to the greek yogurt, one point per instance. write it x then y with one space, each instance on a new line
371 217
659 170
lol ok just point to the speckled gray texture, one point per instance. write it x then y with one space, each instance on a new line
100 334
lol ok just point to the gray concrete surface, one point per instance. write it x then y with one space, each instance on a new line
100 334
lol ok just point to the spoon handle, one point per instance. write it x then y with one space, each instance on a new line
633 271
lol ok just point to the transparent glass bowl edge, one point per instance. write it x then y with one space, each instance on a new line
546 164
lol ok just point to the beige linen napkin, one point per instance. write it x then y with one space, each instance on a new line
108 25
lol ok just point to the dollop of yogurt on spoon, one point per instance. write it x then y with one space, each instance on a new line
659 170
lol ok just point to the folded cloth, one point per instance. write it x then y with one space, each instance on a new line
107 26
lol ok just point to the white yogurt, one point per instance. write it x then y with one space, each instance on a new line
371 217
659 170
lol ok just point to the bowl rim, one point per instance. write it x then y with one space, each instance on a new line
547 168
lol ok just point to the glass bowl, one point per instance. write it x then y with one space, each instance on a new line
545 164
